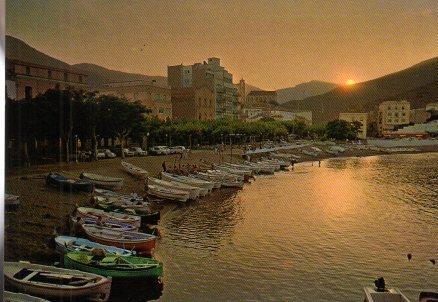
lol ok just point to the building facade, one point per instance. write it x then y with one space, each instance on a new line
393 114
362 118
209 75
154 97
193 103
27 80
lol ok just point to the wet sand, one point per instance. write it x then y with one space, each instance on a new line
42 208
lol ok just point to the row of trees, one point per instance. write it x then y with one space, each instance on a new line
51 124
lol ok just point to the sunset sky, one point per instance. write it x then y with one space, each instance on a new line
272 44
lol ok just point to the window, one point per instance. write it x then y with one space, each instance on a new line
65 77
49 74
27 70
28 92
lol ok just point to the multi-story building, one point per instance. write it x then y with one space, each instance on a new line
262 98
362 118
241 97
210 75
393 114
193 103
155 98
26 80
305 116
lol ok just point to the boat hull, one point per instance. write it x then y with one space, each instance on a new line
156 271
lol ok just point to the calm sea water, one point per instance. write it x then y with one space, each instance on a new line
311 234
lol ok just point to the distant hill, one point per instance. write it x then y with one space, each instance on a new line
98 75
417 84
304 90
17 49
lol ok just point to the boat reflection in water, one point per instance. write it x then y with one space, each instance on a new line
136 290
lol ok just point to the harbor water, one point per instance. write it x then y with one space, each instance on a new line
310 234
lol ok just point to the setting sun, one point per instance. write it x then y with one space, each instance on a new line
350 82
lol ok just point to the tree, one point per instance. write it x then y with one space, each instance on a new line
342 130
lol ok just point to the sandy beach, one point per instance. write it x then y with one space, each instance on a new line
42 208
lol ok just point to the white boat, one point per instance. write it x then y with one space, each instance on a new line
253 169
247 173
310 153
103 181
226 175
17 297
194 192
187 180
56 283
121 217
168 194
264 168
226 180
11 201
216 183
388 295
134 170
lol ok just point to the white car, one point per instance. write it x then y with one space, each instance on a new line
100 154
128 152
177 149
160 150
109 154
138 151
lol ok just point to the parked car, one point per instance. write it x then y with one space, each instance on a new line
109 153
177 149
100 154
159 150
138 151
128 152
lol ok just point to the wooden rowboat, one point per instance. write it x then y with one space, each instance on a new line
168 194
193 191
108 223
16 297
134 170
120 217
65 244
114 266
140 242
103 181
187 180
68 185
56 283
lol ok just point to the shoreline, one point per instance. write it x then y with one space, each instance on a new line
42 208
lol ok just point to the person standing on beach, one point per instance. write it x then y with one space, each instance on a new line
163 165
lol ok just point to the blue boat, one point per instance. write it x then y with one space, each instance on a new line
65 244
68 185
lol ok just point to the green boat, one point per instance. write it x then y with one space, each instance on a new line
115 266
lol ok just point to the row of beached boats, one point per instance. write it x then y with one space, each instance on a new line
181 188
116 232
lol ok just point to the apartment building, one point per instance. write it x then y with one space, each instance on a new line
26 80
360 117
154 97
393 114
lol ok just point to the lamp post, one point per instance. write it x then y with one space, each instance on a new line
76 147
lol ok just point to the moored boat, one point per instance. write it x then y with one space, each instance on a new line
168 194
67 184
146 217
140 242
11 201
114 266
134 170
380 293
108 223
56 283
194 192
65 244
187 180
17 297
120 217
103 181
